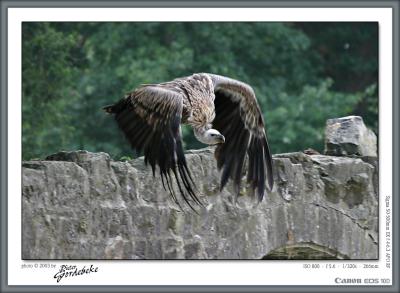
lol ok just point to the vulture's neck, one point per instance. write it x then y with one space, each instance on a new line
199 133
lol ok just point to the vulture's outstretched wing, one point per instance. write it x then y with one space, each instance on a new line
150 118
239 119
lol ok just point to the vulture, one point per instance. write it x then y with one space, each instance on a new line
222 112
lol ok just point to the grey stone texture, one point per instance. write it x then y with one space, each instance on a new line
349 136
82 205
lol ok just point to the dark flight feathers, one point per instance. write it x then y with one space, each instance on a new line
153 126
239 119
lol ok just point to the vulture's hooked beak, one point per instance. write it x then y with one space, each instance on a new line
221 139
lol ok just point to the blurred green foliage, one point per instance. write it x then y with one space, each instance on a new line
302 73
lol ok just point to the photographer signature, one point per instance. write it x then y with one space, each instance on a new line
73 271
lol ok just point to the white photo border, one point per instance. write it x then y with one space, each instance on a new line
187 272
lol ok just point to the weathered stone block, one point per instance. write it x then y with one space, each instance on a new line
349 136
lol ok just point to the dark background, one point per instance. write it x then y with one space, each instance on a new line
302 73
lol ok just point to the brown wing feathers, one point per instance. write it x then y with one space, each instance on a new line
150 119
239 119
230 155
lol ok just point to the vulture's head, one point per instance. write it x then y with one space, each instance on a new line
210 136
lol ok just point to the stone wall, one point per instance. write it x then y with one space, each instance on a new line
82 205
